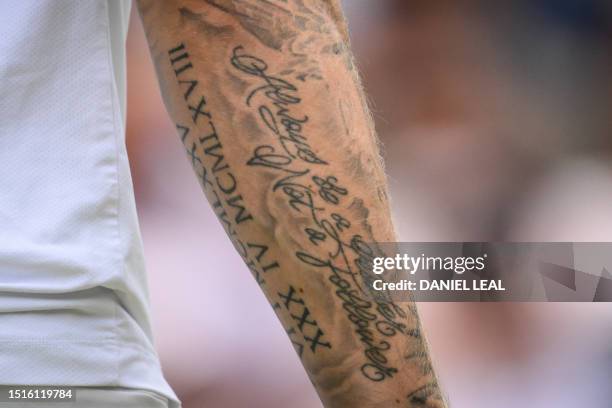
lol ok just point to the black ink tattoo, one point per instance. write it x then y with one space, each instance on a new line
208 160
312 335
278 97
312 193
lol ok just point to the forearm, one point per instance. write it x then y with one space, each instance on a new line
270 111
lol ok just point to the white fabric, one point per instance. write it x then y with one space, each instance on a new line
73 296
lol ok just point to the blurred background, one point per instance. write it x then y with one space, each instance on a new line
495 119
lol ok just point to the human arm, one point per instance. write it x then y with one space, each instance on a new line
268 104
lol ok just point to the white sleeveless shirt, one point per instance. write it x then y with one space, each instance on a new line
73 297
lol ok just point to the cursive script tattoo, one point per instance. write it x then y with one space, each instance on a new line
308 190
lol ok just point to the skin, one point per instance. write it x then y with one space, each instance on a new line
270 110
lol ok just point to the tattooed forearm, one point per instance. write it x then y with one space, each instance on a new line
270 111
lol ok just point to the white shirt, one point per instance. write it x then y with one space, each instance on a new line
73 295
